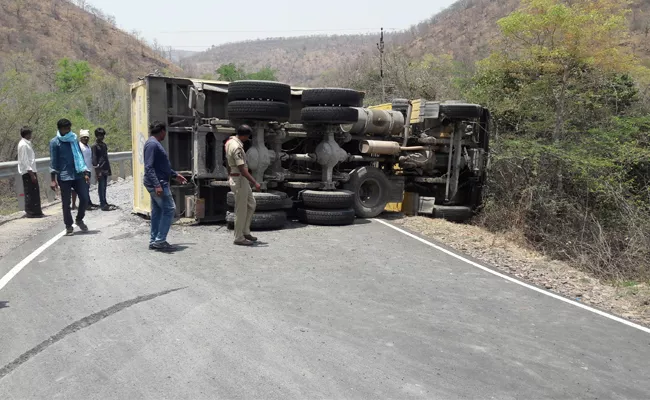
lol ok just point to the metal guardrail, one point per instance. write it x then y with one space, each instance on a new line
9 170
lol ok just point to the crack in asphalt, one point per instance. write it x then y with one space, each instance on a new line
76 326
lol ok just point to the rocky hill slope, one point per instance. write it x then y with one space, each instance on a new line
49 30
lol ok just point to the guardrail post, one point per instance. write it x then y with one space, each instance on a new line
122 170
20 191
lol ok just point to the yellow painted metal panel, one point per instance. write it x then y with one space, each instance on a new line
393 207
396 206
139 135
415 114
385 106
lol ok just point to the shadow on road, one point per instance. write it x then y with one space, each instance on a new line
4 304
180 247
292 223
92 232
391 216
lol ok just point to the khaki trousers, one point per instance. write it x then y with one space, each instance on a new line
244 205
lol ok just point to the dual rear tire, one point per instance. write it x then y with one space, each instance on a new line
269 213
258 101
330 106
327 208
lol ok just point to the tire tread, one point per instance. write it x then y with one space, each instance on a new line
258 110
326 217
259 90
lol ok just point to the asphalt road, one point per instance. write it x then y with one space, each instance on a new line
359 312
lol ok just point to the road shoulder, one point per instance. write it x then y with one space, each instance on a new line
629 300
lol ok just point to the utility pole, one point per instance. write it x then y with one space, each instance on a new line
380 46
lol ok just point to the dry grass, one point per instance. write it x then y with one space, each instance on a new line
509 253
52 29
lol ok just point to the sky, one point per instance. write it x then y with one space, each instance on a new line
199 24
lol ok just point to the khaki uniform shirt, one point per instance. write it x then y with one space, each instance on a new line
235 154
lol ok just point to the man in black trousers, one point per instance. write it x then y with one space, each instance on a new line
27 170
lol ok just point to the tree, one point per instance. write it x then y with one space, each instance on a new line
72 75
19 6
569 167
231 72
553 48
265 74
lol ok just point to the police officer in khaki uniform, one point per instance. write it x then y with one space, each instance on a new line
240 180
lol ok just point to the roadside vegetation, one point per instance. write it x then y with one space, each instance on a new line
232 72
570 161
39 95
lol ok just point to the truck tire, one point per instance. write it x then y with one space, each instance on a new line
461 111
266 201
400 102
266 220
332 97
371 191
328 200
453 213
326 217
258 110
329 115
259 90
400 105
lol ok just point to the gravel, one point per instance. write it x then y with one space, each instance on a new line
119 193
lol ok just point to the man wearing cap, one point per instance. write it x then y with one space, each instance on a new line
84 138
240 180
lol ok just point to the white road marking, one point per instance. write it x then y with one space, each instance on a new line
511 279
15 270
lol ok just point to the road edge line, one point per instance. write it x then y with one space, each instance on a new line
514 280
18 267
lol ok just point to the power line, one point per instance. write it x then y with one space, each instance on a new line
278 31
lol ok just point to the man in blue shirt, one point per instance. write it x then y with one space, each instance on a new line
69 171
157 173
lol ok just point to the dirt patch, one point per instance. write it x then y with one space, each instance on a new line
630 300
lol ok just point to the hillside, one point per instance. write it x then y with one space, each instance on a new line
465 30
49 30
297 59
177 55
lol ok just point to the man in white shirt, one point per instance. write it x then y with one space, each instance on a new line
86 150
27 169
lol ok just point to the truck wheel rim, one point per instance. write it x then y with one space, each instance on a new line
369 193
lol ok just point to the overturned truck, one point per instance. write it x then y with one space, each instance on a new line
320 156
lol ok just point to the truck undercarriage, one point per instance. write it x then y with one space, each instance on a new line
318 154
